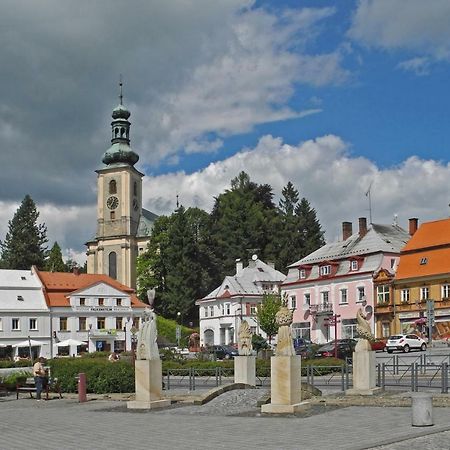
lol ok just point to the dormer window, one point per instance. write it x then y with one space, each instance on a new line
325 270
423 261
101 302
354 265
23 278
20 298
82 301
302 274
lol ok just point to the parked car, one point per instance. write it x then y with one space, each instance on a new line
304 348
405 342
223 351
378 345
345 349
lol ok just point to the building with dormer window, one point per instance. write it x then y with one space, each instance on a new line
237 299
337 280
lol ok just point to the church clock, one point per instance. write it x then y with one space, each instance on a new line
112 202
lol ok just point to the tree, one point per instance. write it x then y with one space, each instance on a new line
289 200
266 312
54 262
24 244
309 227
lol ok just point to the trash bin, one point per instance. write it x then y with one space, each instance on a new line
422 409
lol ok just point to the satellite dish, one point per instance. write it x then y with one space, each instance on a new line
254 257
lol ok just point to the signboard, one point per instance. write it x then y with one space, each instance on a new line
178 332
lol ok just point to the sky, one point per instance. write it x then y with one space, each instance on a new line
335 96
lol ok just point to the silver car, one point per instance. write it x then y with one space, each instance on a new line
405 342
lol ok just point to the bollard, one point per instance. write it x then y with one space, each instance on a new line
82 388
422 409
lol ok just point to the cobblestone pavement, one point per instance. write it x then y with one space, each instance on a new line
104 424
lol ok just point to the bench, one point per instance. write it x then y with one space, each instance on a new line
30 387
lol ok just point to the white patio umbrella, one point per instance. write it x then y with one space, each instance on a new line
28 343
69 342
2 345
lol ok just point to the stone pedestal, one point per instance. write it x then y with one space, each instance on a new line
285 386
245 370
148 381
364 382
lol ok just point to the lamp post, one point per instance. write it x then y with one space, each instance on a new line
89 336
333 321
238 310
178 329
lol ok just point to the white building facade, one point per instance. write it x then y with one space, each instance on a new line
236 299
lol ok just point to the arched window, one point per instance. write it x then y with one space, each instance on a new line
113 187
112 257
135 189
122 132
116 132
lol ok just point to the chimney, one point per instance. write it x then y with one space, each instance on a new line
413 225
362 226
76 271
239 266
347 230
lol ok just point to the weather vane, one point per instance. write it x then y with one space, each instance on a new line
120 87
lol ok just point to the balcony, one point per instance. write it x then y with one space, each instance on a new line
323 309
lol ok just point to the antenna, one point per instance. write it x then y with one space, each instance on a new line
178 204
370 202
120 89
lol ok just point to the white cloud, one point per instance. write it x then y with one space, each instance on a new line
418 26
420 65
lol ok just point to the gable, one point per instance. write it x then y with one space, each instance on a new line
99 290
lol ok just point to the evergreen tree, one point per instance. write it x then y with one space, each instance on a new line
24 244
289 200
266 312
309 227
54 262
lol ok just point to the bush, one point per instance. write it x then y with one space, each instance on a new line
103 355
16 377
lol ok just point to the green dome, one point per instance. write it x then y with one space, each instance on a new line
120 152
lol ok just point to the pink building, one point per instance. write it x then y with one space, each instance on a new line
337 279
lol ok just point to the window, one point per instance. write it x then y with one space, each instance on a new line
112 260
206 311
253 310
101 302
301 330
445 290
211 311
112 215
119 323
101 323
349 329
82 301
361 294
424 293
293 302
15 324
325 270
354 265
404 295
1 324
423 261
385 329
63 324
23 278
20 298
383 294
302 274
307 299
82 323
136 322
33 325
325 296
118 301
135 190
227 309
113 187
344 298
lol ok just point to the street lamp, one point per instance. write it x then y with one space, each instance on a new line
178 329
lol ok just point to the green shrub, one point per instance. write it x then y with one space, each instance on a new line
103 355
12 379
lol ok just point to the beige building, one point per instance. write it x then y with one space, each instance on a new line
123 226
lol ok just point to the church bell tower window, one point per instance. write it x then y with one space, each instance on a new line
113 187
112 265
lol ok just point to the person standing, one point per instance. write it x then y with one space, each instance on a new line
39 376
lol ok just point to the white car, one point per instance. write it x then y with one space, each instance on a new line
405 342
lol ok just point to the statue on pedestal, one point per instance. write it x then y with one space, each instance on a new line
244 339
285 343
365 333
147 348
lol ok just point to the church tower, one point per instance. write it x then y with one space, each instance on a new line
123 226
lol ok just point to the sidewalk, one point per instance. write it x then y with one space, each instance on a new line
106 424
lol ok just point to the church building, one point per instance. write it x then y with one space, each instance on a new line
123 226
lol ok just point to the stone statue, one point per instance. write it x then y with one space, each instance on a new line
147 348
151 297
244 339
364 331
285 344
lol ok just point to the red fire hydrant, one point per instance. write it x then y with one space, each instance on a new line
82 387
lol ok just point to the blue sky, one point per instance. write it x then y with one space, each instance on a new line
331 95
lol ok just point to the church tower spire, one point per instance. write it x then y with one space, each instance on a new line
120 151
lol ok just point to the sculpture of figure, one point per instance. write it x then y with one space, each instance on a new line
244 339
151 297
364 331
147 348
285 343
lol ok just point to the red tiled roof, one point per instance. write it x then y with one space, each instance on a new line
437 262
59 285
430 234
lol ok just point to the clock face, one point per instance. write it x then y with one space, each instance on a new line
112 202
135 204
